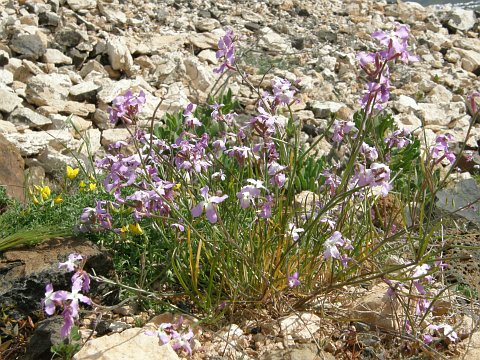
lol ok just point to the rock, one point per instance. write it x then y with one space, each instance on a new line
46 89
11 170
377 309
7 127
26 271
49 18
300 327
30 118
470 59
461 19
131 344
439 94
462 194
6 77
204 40
54 56
54 162
323 109
112 13
472 351
46 334
119 55
305 201
9 102
28 46
207 24
440 114
202 77
76 5
271 41
31 143
85 91
208 56
111 136
405 104
70 37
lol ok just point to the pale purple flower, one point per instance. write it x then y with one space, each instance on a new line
332 181
219 175
447 331
226 50
441 150
68 321
473 104
277 177
398 138
370 152
83 277
341 128
265 210
126 107
208 204
189 118
178 227
51 298
70 264
249 193
396 42
294 232
75 297
283 91
331 245
293 280
216 114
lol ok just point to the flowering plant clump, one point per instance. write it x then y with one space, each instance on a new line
214 203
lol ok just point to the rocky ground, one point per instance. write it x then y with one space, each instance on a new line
72 57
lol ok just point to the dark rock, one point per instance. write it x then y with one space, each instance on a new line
298 43
461 196
11 169
28 46
68 37
26 271
4 58
204 14
45 335
252 26
303 12
327 35
49 18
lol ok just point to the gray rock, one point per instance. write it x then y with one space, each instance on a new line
54 56
453 199
31 143
440 114
9 102
470 59
111 136
46 89
323 109
48 18
119 55
82 4
6 77
29 117
70 37
28 46
461 19
11 170
85 91
405 104
46 334
271 41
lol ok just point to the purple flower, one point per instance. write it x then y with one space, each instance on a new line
441 150
398 138
68 321
126 107
396 42
51 298
473 104
283 91
208 204
330 246
293 280
341 128
226 50
70 263
82 276
266 208
370 152
294 232
190 120
216 114
277 177
332 181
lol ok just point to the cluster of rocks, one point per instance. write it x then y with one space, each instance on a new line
63 62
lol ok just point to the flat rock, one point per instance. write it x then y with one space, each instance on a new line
28 46
11 169
85 91
9 102
323 109
131 344
54 56
111 136
461 19
29 117
31 143
458 197
119 54
46 89
300 327
82 4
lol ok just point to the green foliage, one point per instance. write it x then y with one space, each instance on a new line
70 347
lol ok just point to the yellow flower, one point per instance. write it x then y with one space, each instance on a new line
58 199
91 177
82 185
177 186
72 173
136 229
45 192
92 186
35 200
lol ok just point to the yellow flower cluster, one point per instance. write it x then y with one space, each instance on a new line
41 194
82 185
